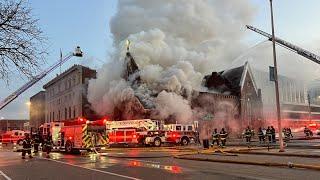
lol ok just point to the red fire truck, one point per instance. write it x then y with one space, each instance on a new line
129 131
83 134
149 132
14 136
76 135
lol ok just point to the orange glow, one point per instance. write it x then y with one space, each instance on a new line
70 137
134 136
312 125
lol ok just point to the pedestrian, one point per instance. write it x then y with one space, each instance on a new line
223 137
260 135
268 134
273 134
26 145
215 137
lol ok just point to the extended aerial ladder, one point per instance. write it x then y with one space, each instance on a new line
14 95
302 52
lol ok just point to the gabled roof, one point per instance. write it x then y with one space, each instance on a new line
231 80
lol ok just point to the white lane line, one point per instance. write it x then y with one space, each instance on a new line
5 176
97 170
154 162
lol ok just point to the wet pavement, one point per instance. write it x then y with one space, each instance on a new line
135 163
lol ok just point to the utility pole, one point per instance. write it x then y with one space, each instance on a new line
276 81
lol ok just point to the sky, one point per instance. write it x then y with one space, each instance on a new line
86 23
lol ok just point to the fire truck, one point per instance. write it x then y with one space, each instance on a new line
129 131
83 134
14 136
76 135
149 132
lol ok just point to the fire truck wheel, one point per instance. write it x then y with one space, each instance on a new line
157 142
68 147
184 141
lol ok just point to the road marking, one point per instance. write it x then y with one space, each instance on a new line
155 162
5 176
97 170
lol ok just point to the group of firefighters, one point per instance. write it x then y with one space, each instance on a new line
268 134
219 137
36 140
264 134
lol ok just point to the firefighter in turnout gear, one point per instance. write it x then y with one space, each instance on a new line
248 134
215 137
26 143
223 137
48 145
36 142
261 135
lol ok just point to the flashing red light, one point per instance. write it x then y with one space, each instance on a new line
173 135
87 122
105 121
70 137
134 136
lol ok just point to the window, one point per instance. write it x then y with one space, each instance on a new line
178 128
70 112
65 113
74 112
53 118
189 128
59 115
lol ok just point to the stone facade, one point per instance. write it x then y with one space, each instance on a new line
66 95
37 109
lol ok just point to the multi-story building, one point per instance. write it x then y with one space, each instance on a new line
66 95
37 109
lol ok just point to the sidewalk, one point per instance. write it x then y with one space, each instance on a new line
262 157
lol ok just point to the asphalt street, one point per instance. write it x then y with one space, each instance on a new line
126 165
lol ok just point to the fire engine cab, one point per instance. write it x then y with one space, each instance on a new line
83 134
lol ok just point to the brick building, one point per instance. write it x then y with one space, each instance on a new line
37 109
66 95
235 93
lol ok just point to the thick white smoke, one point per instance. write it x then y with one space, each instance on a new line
175 43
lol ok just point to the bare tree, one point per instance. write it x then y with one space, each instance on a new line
21 40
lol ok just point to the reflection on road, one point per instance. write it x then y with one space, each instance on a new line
137 163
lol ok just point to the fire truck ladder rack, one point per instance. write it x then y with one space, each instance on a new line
35 79
302 52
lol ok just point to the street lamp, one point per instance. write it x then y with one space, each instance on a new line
276 81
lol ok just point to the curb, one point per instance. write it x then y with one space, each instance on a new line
289 165
139 157
276 154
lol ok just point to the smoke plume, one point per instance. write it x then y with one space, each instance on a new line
174 43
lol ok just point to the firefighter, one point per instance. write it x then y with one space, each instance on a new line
248 134
223 137
36 142
273 134
268 134
260 135
215 137
26 143
48 145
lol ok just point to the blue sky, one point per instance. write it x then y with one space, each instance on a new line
86 23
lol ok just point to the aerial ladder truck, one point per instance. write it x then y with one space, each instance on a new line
35 79
302 52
